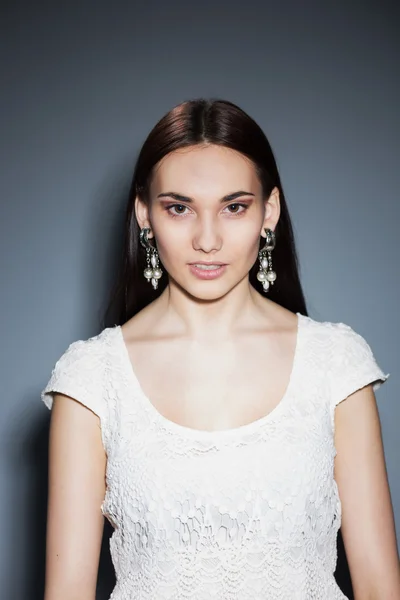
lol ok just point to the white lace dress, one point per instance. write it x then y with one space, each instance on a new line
250 513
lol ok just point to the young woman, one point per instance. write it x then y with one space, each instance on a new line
207 422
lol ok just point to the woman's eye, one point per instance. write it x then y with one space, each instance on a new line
176 209
236 208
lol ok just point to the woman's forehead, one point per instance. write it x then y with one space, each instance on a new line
205 167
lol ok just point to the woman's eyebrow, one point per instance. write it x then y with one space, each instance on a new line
227 198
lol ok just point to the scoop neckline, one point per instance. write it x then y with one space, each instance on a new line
217 433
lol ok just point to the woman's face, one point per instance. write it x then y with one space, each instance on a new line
207 213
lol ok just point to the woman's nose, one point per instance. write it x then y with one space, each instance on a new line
207 235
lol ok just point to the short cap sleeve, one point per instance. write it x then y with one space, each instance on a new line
78 373
355 365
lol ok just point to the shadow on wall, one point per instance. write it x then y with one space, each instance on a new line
28 546
342 573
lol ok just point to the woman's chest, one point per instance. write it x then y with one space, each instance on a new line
271 480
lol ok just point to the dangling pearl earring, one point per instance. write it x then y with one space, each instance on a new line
152 272
266 275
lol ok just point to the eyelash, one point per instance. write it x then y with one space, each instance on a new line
175 215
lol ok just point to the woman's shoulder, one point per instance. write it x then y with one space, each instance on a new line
92 346
338 342
334 331
80 369
347 356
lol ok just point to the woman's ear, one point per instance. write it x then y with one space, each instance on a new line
142 214
272 211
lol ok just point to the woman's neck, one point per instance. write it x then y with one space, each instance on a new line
239 309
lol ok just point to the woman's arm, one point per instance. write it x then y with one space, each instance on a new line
368 528
77 463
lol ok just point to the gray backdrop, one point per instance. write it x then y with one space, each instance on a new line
82 85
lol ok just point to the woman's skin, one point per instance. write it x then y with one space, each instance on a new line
213 355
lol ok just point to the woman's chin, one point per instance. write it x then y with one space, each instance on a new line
206 291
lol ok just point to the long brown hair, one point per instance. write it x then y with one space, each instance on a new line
194 122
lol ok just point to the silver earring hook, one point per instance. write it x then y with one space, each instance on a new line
270 240
144 240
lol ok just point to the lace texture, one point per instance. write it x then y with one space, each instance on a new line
250 513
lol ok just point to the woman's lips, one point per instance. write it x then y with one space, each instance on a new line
207 271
